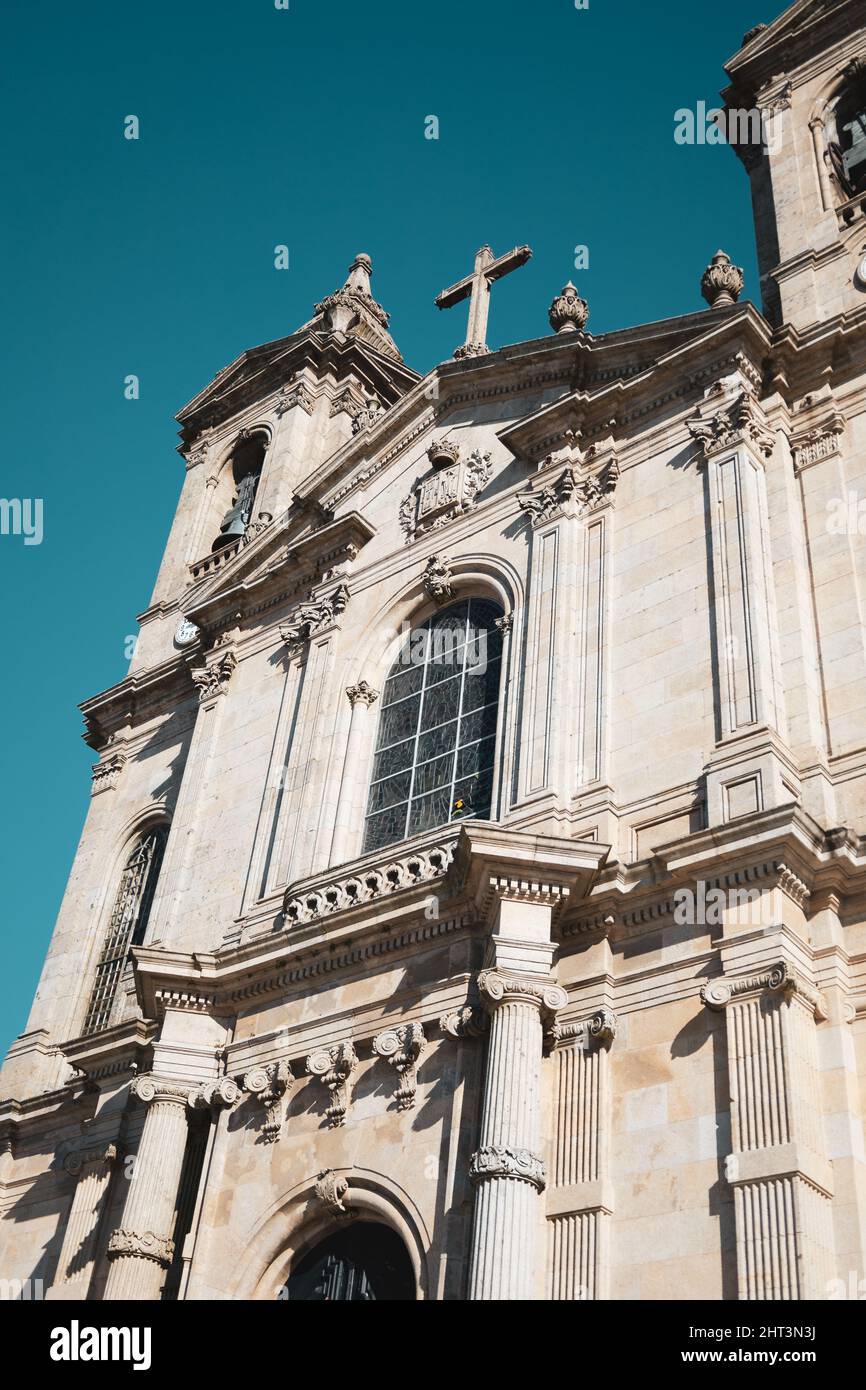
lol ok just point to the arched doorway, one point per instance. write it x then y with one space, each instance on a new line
364 1262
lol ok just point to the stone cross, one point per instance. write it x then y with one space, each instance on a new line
476 288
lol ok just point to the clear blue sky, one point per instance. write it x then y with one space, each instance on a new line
304 127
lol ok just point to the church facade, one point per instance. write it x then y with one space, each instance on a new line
472 902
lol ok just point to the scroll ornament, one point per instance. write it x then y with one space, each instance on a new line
402 1047
272 1085
335 1067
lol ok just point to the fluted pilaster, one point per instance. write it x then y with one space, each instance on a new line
778 1168
579 1202
75 1263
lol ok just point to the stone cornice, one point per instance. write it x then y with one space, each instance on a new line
112 1051
263 371
492 862
803 31
143 695
781 848
274 567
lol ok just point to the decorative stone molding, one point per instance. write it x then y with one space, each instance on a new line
332 1191
272 1085
496 989
299 395
494 1162
197 454
255 528
570 494
437 579
369 414
106 773
309 619
402 1047
722 281
152 1089
739 422
214 1095
145 1244
568 313
781 979
335 1067
361 694
822 440
473 349
213 680
450 491
80 1159
464 1022
322 896
443 453
600 1028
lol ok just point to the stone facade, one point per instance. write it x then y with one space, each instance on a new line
609 1039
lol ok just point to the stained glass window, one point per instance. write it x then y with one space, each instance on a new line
437 728
127 925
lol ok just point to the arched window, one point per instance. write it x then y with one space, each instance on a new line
848 150
437 728
247 461
366 1263
127 924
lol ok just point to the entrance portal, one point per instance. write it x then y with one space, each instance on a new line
361 1263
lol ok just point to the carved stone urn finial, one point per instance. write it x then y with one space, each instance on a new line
568 313
722 281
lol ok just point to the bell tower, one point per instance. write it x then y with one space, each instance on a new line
805 74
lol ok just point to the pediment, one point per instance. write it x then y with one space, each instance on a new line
790 39
264 370
633 373
287 557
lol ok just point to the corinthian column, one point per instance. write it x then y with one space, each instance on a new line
141 1249
507 1169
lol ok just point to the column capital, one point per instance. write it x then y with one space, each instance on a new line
213 680
599 1028
464 1022
495 1161
781 979
495 989
220 1094
154 1090
362 694
100 1156
145 1244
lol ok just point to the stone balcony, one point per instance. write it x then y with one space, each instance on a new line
411 864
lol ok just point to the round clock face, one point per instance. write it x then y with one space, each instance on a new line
860 274
186 634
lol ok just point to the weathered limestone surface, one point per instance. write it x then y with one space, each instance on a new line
609 1041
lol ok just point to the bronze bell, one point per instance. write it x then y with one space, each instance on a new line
237 518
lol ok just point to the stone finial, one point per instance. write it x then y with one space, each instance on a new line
359 273
722 281
568 313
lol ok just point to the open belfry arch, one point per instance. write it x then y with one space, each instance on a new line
472 900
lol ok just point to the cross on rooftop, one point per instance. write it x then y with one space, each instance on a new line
476 288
